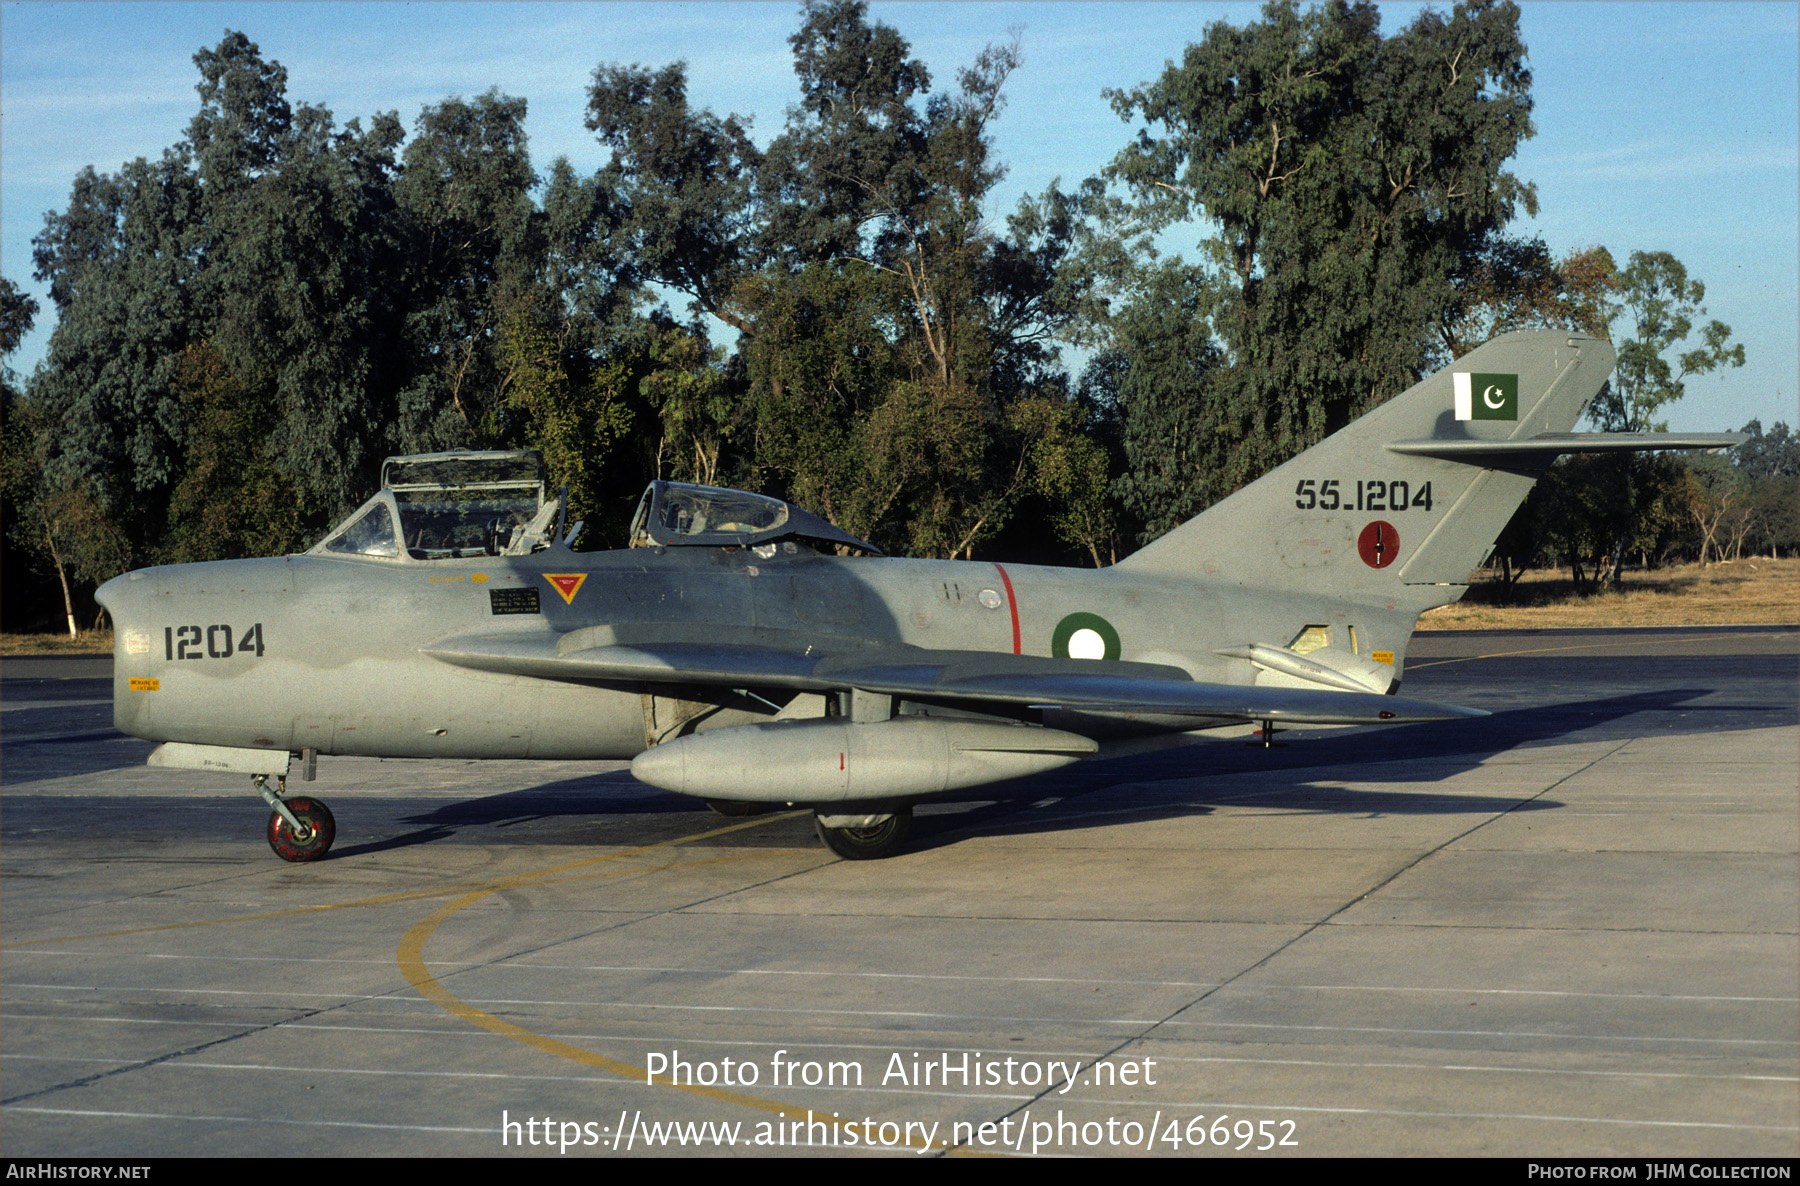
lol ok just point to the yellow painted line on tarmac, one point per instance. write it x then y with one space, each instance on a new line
412 962
411 956
1586 646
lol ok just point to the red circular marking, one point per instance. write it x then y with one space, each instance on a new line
1378 544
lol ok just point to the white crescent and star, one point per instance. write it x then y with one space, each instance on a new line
1487 397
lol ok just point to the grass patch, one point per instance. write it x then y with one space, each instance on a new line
90 642
1732 593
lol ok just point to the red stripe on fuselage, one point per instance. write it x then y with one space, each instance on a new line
1012 605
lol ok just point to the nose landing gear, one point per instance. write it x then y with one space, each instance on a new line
300 829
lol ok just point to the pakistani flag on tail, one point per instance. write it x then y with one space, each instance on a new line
1486 397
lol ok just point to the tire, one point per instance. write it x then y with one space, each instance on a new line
868 844
316 816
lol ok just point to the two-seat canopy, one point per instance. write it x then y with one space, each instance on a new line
437 506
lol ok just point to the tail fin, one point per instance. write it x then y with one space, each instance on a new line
1404 504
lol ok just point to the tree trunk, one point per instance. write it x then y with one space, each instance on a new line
1615 569
62 576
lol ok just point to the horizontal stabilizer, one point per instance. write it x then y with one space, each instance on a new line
1555 444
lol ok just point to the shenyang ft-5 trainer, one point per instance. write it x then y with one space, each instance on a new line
747 652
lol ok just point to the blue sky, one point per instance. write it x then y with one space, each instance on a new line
1672 127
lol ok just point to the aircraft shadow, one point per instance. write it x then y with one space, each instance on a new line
553 812
1186 781
612 808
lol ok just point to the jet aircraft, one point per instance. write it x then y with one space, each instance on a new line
749 653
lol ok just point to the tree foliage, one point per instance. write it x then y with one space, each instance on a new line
1593 513
1515 284
1175 444
1353 179
1751 503
18 313
894 353
248 323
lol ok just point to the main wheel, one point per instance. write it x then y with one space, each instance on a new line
871 843
311 844
737 807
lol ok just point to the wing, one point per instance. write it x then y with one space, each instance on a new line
954 676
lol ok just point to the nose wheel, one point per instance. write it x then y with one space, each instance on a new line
300 829
311 840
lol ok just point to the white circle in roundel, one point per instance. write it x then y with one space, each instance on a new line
1087 644
989 598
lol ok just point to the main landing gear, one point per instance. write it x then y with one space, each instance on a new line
738 807
300 829
1265 736
864 837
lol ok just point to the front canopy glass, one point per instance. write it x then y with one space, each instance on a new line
437 506
465 504
370 533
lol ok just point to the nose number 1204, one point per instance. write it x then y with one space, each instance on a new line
210 642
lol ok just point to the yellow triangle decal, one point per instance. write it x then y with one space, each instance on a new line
566 583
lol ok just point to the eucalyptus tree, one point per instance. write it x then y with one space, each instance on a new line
1659 304
1769 463
1165 358
221 319
1517 284
1346 182
471 237
122 262
27 517
885 334
1595 511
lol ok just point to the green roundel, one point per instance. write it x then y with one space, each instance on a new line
1085 636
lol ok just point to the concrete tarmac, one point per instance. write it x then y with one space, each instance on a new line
1568 929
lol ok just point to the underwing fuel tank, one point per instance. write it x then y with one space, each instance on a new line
836 761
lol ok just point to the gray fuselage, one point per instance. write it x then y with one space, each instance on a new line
325 652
